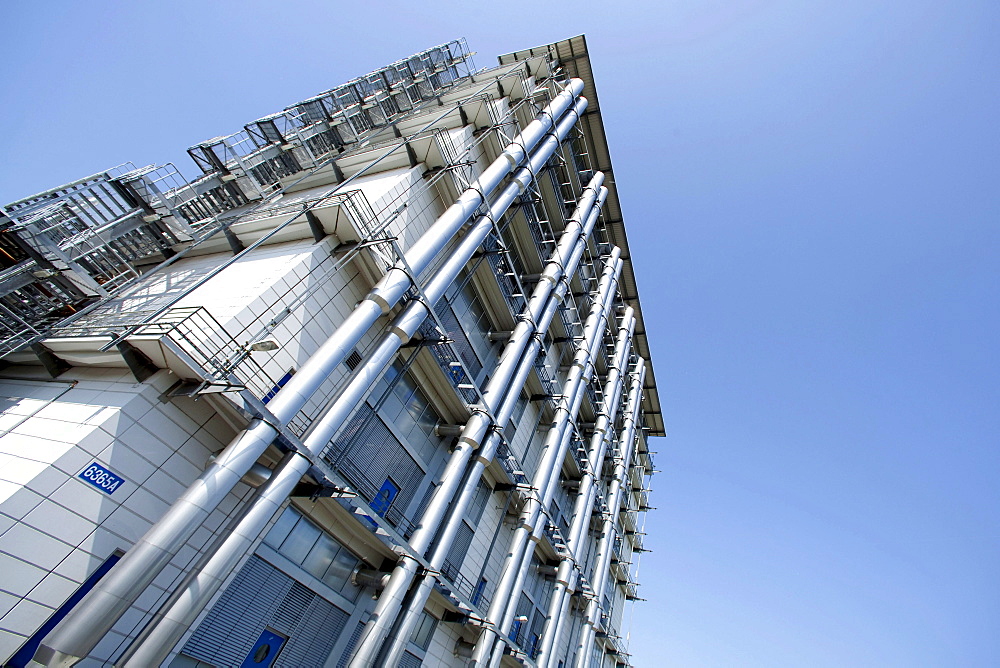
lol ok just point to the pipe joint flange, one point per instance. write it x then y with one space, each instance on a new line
558 263
553 280
382 303
403 335
482 411
511 159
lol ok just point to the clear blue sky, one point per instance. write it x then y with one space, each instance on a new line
811 192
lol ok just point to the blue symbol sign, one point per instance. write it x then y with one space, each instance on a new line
386 495
101 478
264 651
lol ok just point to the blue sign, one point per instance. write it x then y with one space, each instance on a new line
264 651
101 478
386 495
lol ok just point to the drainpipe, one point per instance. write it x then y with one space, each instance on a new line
80 631
169 625
554 451
584 505
557 272
625 444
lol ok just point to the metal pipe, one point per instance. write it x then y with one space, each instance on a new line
583 506
626 444
469 482
80 631
533 526
171 624
368 577
512 370
554 450
558 275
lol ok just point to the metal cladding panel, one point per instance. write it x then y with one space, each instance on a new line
262 596
573 56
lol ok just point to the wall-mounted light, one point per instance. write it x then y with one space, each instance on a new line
263 346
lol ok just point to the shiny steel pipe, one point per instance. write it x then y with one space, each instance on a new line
80 631
469 482
557 444
169 626
502 608
515 364
626 446
584 503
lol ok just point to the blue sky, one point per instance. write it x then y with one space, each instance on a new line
811 194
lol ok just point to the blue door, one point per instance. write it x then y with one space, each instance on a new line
265 650
386 495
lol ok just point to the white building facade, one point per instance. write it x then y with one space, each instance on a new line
372 390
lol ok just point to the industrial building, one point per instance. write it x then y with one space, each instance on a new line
374 388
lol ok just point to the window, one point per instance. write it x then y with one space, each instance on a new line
317 553
516 415
407 408
459 548
425 631
479 501
515 630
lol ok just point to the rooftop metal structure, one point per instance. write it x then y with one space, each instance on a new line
65 249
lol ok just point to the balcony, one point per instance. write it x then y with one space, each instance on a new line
629 519
630 588
635 538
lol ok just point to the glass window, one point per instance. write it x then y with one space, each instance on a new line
338 576
315 551
320 557
279 532
300 541
479 501
480 588
515 630
428 420
425 631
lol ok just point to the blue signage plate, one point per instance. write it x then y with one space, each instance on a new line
101 478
